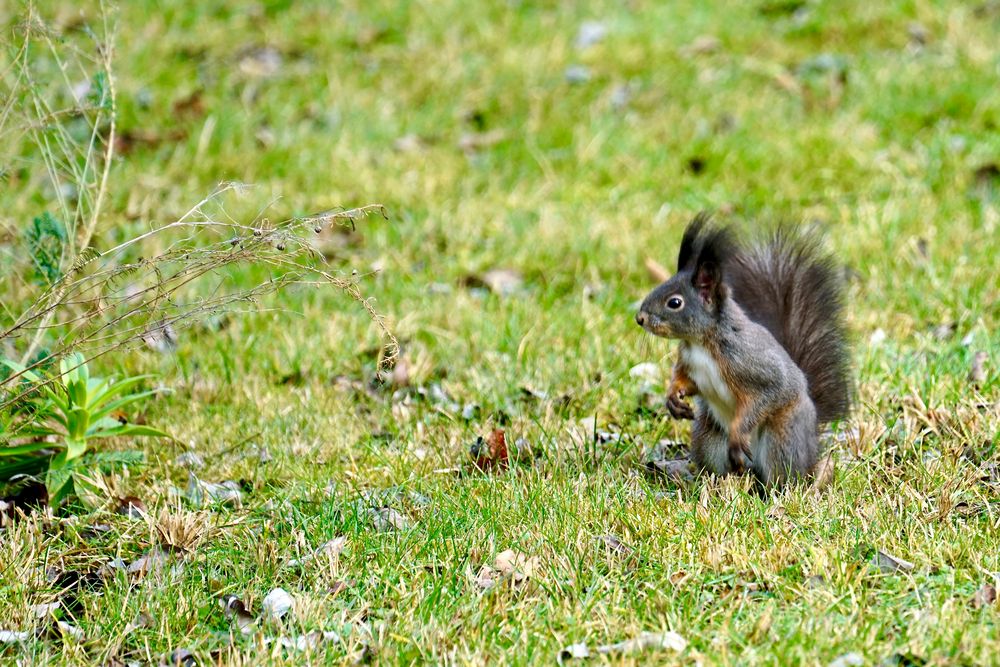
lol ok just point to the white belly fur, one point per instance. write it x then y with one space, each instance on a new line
705 373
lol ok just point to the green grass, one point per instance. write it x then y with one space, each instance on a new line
574 193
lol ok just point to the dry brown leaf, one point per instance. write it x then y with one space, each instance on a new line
614 546
676 470
234 608
151 561
491 454
646 641
823 473
331 549
512 562
131 507
276 604
977 374
984 597
508 565
387 518
890 564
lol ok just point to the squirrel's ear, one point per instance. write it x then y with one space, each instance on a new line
708 281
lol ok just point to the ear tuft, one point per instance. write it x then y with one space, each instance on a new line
707 279
705 250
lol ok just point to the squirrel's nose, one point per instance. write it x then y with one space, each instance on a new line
640 318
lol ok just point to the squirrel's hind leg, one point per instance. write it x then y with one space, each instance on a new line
787 450
709 443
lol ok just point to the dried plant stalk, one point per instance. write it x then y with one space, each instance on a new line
150 285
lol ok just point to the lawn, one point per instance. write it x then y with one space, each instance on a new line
531 157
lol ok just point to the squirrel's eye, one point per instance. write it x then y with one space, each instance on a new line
675 303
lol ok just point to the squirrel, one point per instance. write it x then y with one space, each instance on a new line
762 348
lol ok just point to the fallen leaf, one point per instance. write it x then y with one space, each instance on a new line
823 473
233 608
977 374
487 577
332 549
45 610
677 470
337 587
68 631
510 562
141 620
189 105
849 660
151 561
190 460
387 518
787 82
276 604
223 493
614 546
657 640
491 454
509 565
131 507
535 394
890 564
984 597
574 651
306 642
677 578
109 568
646 641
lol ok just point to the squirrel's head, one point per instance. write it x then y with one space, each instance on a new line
687 305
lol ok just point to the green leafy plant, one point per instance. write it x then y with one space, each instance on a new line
46 238
75 410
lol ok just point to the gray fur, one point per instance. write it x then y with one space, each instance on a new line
786 350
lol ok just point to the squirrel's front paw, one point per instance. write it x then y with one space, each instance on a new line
678 407
739 457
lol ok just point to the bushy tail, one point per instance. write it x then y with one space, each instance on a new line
789 285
